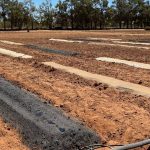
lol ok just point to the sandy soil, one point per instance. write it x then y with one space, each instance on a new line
86 60
9 138
118 117
115 114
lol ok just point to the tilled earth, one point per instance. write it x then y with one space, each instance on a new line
9 138
117 116
87 53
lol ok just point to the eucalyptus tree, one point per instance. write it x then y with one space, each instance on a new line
61 14
131 14
110 17
83 14
4 11
46 14
95 13
120 7
77 14
142 12
14 9
71 9
29 9
11 12
146 13
102 6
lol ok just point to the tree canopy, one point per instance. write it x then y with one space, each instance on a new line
74 14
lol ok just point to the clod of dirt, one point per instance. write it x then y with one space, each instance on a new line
140 82
97 84
43 67
100 86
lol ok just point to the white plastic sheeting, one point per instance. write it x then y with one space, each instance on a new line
131 87
133 43
109 44
63 40
104 39
126 62
11 43
13 54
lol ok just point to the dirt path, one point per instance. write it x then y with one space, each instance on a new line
113 114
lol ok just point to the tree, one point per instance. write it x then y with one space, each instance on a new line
103 12
46 13
29 8
75 14
4 11
120 7
61 14
146 13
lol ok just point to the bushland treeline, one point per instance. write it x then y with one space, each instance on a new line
74 14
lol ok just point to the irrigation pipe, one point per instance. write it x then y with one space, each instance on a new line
118 147
133 145
95 146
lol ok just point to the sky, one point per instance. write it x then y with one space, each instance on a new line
37 2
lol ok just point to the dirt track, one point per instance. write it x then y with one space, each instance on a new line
115 114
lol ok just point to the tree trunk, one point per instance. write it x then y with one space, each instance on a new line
127 24
12 23
72 22
120 24
100 25
4 21
131 24
95 25
32 24
91 25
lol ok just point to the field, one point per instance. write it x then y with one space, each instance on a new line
117 114
9 138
